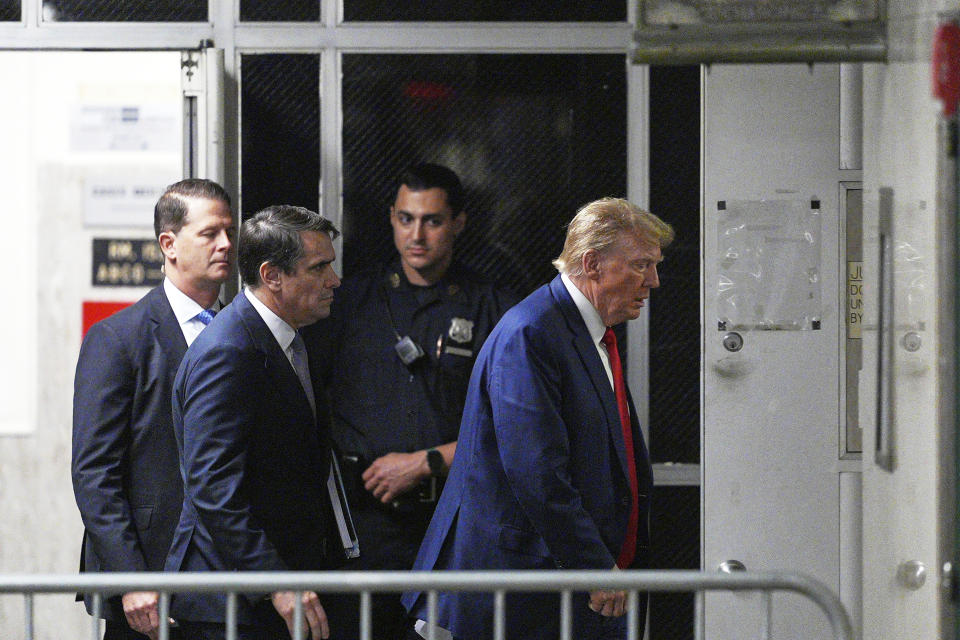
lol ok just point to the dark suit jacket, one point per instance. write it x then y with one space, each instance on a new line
254 462
126 477
539 480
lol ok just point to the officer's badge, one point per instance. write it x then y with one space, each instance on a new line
394 280
461 330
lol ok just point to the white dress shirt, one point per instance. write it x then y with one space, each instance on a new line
185 309
282 331
591 317
284 334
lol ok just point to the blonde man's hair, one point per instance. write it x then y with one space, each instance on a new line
599 224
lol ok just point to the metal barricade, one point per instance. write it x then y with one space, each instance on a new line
366 583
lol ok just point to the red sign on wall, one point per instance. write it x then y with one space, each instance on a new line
96 311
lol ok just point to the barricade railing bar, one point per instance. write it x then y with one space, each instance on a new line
366 583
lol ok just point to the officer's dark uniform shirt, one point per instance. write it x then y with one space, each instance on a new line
380 404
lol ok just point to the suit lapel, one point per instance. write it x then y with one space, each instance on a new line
587 351
640 452
275 360
166 329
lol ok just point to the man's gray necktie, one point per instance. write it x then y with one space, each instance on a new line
298 356
338 499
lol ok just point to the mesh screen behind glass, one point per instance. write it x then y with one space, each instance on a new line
280 131
674 544
486 11
9 10
532 137
287 11
127 11
675 308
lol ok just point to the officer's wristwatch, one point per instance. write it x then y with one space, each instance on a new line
435 462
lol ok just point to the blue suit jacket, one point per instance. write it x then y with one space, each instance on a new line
254 462
126 478
539 480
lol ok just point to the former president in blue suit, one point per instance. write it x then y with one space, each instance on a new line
252 433
551 470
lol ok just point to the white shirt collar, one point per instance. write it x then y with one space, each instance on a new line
591 317
282 331
184 307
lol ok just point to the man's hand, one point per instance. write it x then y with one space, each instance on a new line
285 601
140 608
394 474
609 603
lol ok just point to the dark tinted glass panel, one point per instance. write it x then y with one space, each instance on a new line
289 11
9 10
486 11
280 131
675 312
126 11
674 544
532 137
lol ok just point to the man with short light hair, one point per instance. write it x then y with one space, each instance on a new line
600 224
551 469
126 478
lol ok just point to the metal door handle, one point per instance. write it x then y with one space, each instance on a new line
911 574
731 566
883 455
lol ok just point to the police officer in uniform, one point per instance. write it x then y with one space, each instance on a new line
399 347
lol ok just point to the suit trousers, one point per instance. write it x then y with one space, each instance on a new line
117 630
389 540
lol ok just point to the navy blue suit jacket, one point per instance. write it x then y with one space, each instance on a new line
254 462
539 480
126 478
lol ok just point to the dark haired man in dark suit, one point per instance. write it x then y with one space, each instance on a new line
253 437
398 349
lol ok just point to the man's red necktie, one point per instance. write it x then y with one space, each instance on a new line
629 548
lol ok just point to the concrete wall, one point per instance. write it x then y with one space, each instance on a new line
48 249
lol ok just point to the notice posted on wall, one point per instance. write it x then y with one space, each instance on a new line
135 127
123 197
769 265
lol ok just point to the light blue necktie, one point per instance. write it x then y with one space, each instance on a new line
205 316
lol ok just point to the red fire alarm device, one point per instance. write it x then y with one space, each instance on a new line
94 312
946 66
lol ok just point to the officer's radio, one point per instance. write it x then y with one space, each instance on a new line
408 350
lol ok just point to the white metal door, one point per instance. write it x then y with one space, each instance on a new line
907 409
771 235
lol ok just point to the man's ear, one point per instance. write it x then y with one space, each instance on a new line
591 263
166 240
270 276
